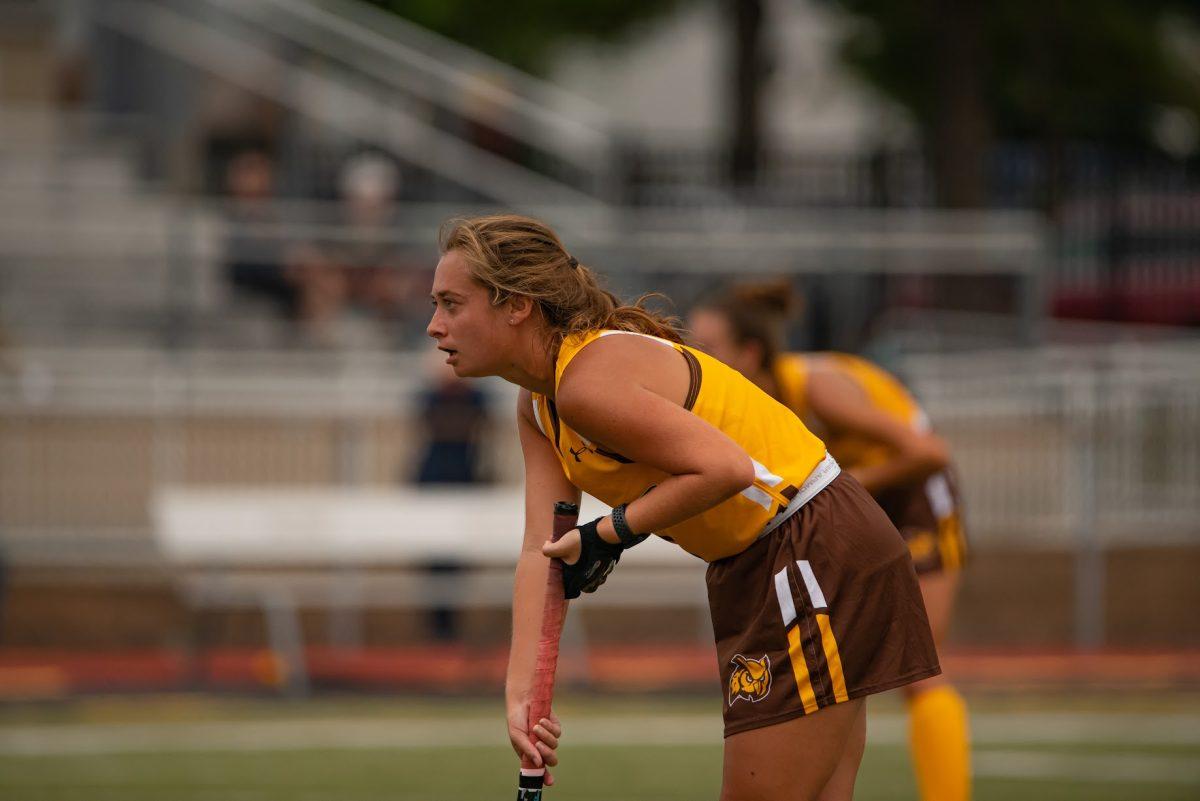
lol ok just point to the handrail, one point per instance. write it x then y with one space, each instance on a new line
1009 242
397 29
336 104
577 136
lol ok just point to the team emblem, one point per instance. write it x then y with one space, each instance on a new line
751 678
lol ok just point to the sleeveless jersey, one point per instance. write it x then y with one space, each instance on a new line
785 453
883 391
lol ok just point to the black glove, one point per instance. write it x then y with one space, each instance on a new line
596 560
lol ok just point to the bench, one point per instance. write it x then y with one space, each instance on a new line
278 551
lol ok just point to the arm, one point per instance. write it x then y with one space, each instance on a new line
627 393
545 484
842 406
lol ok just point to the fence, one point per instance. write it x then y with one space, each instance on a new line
1073 450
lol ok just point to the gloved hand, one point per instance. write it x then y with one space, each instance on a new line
593 560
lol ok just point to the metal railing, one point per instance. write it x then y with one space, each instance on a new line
154 267
390 50
1069 450
1076 449
344 104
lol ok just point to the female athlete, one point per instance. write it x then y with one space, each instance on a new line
813 597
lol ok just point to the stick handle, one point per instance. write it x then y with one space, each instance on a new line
566 517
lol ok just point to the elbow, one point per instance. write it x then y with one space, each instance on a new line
935 455
734 474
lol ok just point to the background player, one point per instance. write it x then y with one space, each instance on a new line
879 434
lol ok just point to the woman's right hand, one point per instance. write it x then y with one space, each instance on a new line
548 730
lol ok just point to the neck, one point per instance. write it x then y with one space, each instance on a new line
764 377
533 365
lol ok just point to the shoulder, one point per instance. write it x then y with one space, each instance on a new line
610 361
791 364
825 364
622 351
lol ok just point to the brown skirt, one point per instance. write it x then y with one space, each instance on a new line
929 518
823 609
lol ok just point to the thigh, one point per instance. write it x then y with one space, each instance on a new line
790 761
938 590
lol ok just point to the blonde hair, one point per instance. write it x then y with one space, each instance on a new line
757 312
512 255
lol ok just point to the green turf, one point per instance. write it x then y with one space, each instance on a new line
588 773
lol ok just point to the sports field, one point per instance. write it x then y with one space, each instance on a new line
1097 746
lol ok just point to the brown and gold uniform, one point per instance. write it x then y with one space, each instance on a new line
813 597
928 515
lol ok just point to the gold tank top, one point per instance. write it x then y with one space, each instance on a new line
882 389
784 452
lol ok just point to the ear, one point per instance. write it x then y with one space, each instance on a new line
519 307
753 352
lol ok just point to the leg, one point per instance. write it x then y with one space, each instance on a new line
840 786
793 760
938 729
938 590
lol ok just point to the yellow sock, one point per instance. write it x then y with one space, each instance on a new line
941 747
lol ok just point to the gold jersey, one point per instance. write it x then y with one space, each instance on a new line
784 452
883 391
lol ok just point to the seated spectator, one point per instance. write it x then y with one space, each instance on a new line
253 255
380 279
301 280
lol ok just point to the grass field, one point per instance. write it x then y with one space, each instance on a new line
1098 746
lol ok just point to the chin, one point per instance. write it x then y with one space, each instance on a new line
465 371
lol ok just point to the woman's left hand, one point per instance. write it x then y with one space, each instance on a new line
587 558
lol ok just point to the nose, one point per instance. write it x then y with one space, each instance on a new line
435 328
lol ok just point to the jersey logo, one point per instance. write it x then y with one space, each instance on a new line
578 453
751 679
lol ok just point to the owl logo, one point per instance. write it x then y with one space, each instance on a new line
751 678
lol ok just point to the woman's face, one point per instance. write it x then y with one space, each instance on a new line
712 332
473 333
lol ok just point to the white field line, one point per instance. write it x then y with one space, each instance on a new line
1114 729
1088 767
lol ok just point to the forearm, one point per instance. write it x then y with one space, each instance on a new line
529 596
671 502
897 472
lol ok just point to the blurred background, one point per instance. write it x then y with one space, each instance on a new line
255 542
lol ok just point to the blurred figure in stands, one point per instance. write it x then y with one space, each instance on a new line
253 256
299 280
380 279
454 414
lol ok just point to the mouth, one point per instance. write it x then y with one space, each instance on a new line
451 354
